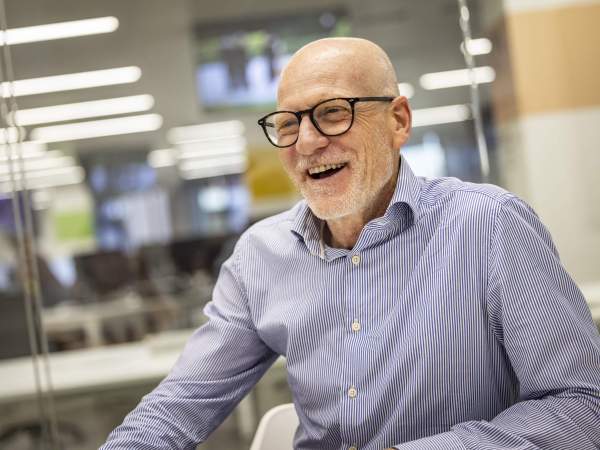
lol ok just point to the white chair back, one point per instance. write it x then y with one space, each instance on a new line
276 429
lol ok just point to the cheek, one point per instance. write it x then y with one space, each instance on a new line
368 138
370 148
376 157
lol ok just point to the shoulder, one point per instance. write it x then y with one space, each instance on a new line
464 197
474 208
271 233
483 207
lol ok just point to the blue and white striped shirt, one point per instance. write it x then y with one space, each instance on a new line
450 325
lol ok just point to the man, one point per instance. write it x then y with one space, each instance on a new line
419 314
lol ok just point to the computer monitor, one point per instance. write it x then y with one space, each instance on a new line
105 272
206 253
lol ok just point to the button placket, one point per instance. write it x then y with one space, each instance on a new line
353 402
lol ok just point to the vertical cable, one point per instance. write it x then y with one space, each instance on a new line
22 258
28 267
465 27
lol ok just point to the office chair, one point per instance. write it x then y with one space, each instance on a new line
14 337
276 429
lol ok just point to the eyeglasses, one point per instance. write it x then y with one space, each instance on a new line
331 117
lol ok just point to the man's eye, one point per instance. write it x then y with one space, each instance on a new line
334 110
283 125
289 126
333 113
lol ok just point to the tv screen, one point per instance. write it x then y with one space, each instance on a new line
238 63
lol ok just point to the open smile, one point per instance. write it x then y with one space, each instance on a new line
325 170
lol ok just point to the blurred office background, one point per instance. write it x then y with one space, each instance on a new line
131 161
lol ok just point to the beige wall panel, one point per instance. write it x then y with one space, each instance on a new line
532 5
503 88
555 58
552 160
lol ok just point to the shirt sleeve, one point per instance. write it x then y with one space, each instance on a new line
220 363
541 318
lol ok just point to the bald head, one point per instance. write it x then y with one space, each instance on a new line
358 62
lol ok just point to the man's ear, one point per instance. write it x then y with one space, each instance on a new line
401 121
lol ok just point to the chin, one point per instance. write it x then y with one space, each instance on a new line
331 209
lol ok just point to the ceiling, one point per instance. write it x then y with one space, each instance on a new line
157 36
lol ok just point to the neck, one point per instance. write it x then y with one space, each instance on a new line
344 232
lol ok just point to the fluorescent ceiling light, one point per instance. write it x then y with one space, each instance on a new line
406 89
215 172
454 78
9 135
480 46
36 164
211 153
60 30
440 115
162 158
25 147
212 147
72 81
84 110
30 155
51 172
97 128
203 145
213 163
46 179
207 131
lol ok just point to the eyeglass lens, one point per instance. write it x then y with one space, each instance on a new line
332 117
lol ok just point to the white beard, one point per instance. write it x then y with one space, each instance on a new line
356 199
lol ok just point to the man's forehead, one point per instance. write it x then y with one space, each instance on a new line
303 88
329 68
306 95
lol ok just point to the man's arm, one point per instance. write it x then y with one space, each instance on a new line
544 324
219 365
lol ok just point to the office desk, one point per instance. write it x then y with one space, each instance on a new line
95 369
90 318
109 368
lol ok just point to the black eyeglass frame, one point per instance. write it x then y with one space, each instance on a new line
310 111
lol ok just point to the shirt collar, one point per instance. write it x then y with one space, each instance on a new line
403 208
307 227
407 192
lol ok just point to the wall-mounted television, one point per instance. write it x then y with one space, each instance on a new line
238 63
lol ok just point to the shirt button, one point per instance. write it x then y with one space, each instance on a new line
356 325
356 260
353 448
352 392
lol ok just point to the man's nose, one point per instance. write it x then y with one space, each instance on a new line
309 138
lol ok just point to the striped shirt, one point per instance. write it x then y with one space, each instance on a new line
451 324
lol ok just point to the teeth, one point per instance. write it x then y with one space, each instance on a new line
323 168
